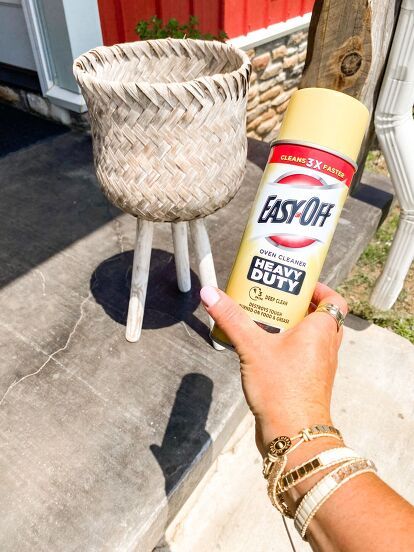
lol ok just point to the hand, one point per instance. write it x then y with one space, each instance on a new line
287 378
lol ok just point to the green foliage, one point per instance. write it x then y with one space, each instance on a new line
358 286
400 323
378 249
154 28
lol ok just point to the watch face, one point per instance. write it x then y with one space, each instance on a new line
280 445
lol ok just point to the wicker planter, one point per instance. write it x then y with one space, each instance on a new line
168 124
169 141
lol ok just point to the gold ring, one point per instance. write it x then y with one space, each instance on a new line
334 311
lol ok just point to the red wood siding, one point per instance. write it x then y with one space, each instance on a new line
235 17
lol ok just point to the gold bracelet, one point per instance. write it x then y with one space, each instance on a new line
283 445
272 482
275 461
323 460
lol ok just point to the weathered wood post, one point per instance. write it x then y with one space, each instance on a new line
347 51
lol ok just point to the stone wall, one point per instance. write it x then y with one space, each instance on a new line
38 105
277 70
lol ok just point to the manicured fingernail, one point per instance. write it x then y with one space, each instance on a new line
209 295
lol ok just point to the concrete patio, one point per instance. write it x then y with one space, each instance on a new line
103 441
372 405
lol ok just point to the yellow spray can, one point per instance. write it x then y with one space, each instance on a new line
297 208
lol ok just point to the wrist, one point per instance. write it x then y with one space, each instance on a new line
268 430
284 466
309 449
301 455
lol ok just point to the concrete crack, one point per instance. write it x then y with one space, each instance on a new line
52 355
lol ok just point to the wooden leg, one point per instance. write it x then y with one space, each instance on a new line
182 261
140 270
205 261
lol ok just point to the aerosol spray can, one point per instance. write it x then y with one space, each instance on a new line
297 208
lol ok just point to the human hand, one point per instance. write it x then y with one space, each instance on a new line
287 378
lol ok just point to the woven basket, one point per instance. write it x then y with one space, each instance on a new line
168 124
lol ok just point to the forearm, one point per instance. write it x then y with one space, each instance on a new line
363 515
287 379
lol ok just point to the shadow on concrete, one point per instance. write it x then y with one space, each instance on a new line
356 323
49 199
379 196
257 154
165 304
185 435
24 129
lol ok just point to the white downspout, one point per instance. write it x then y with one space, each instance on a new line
394 126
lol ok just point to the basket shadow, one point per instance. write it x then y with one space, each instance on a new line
165 305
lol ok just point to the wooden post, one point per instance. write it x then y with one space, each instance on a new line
347 51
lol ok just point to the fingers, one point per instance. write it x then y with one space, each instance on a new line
230 317
324 294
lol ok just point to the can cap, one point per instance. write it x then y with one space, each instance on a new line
326 118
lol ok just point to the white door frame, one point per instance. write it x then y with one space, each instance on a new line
43 53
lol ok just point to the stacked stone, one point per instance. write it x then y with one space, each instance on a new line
277 70
35 103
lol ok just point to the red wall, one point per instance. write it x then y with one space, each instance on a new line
236 17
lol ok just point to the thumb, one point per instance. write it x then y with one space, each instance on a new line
230 318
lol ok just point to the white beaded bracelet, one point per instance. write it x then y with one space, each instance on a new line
323 460
277 484
320 493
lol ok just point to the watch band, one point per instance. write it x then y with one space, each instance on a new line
325 488
323 460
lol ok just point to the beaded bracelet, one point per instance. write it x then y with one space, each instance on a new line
325 488
321 461
275 461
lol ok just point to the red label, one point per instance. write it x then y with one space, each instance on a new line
313 158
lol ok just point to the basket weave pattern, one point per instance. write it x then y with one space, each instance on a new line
168 124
